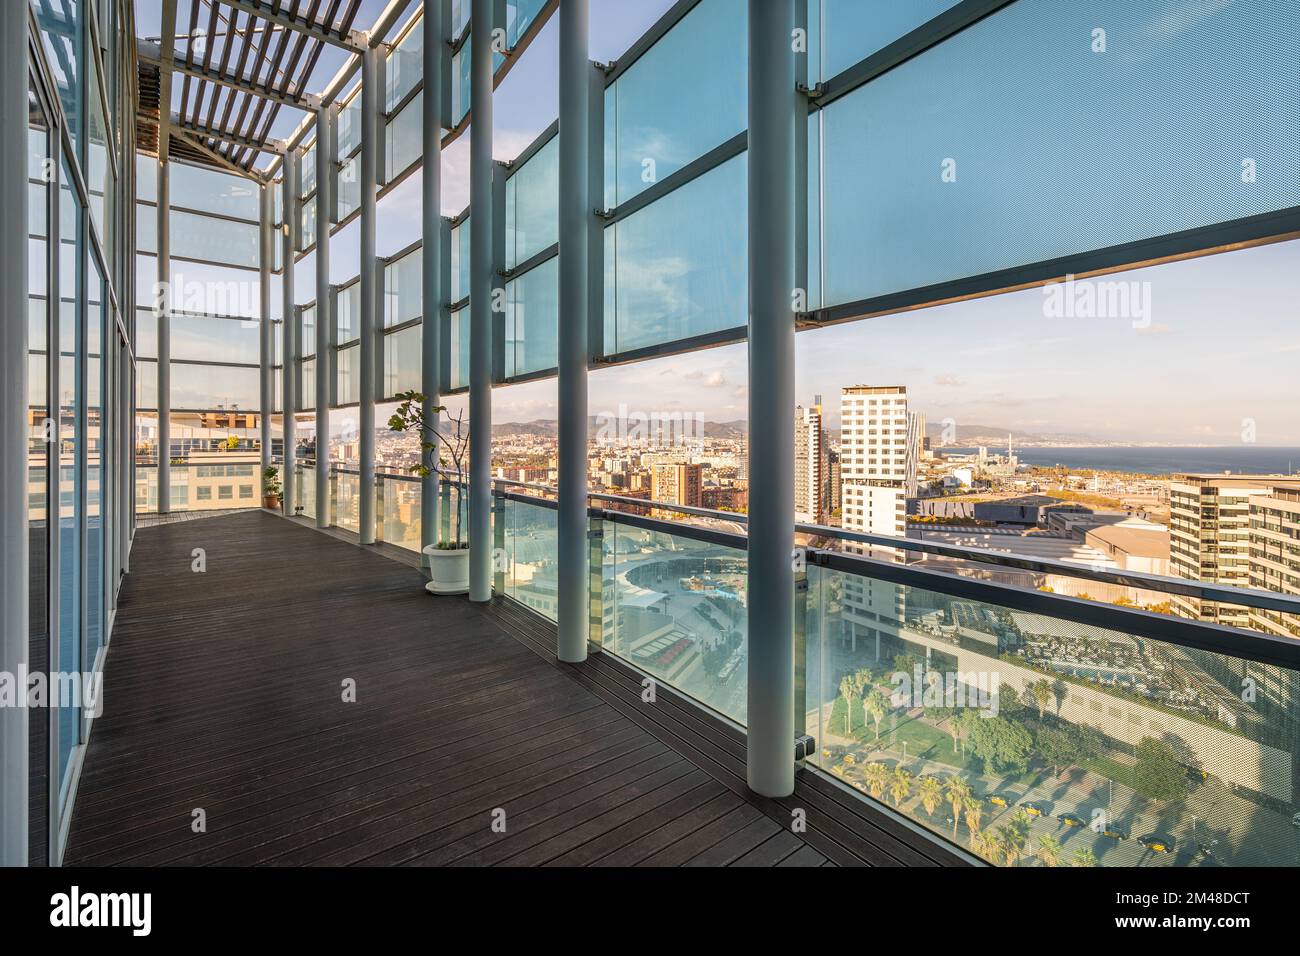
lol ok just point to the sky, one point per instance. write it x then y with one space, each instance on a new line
1219 348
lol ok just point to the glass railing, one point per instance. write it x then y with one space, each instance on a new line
525 563
398 510
674 606
1011 724
345 499
304 489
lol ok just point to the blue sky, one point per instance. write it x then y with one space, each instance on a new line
1223 344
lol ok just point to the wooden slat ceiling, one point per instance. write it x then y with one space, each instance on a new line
246 48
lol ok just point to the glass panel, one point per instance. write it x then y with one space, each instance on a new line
404 143
675 608
403 293
207 339
146 228
402 361
215 240
939 169
399 511
460 260
63 32
146 384
209 190
404 66
653 135
519 15
347 183
307 384
348 313
201 487
307 338
1059 740
99 181
459 349
214 387
855 29
532 323
348 133
530 553
348 385
345 499
95 475
532 205
679 267
71 463
460 64
307 172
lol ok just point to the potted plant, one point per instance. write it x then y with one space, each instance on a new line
448 560
271 488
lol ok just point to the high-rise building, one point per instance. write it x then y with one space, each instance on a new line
874 470
1275 554
810 464
678 484
1209 538
915 444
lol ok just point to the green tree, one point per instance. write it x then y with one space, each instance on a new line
1042 692
877 776
930 791
876 705
1058 747
1000 744
900 785
1083 857
1049 850
847 692
1158 774
959 795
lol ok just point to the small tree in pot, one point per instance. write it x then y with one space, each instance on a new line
270 488
445 456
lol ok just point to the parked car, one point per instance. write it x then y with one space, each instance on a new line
1157 843
1070 820
1034 809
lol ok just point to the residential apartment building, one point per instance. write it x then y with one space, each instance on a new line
811 471
678 484
1274 554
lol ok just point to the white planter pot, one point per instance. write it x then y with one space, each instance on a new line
448 571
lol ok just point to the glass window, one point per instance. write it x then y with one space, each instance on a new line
214 387
404 66
307 335
307 385
215 240
940 169
347 312
402 361
348 391
460 261
681 98
460 64
458 349
679 267
532 205
533 320
404 143
71 461
209 339
349 126
519 16
855 29
210 190
403 294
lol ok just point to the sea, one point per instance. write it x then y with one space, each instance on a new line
1161 460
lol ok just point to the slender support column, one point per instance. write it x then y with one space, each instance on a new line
14 540
480 305
163 308
324 317
432 293
266 358
773 112
369 299
575 221
289 331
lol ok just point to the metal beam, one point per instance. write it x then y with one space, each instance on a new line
575 223
162 311
480 305
774 111
354 40
436 26
15 540
166 54
266 356
324 315
229 136
150 53
369 299
214 156
289 333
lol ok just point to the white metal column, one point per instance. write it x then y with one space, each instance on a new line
266 357
369 265
432 292
289 330
324 316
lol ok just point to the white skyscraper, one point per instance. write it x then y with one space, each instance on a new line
811 477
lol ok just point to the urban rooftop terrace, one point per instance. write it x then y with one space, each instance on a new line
616 675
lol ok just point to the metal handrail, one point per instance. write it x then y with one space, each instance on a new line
1165 584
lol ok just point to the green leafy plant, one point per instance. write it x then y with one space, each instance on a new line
442 451
271 481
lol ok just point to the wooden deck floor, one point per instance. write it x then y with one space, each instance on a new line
223 700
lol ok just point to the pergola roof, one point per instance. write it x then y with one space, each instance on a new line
237 63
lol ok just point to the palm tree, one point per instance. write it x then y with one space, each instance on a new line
960 796
1011 842
1083 857
1042 692
877 776
931 793
1049 850
900 785
876 706
846 691
985 844
973 813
